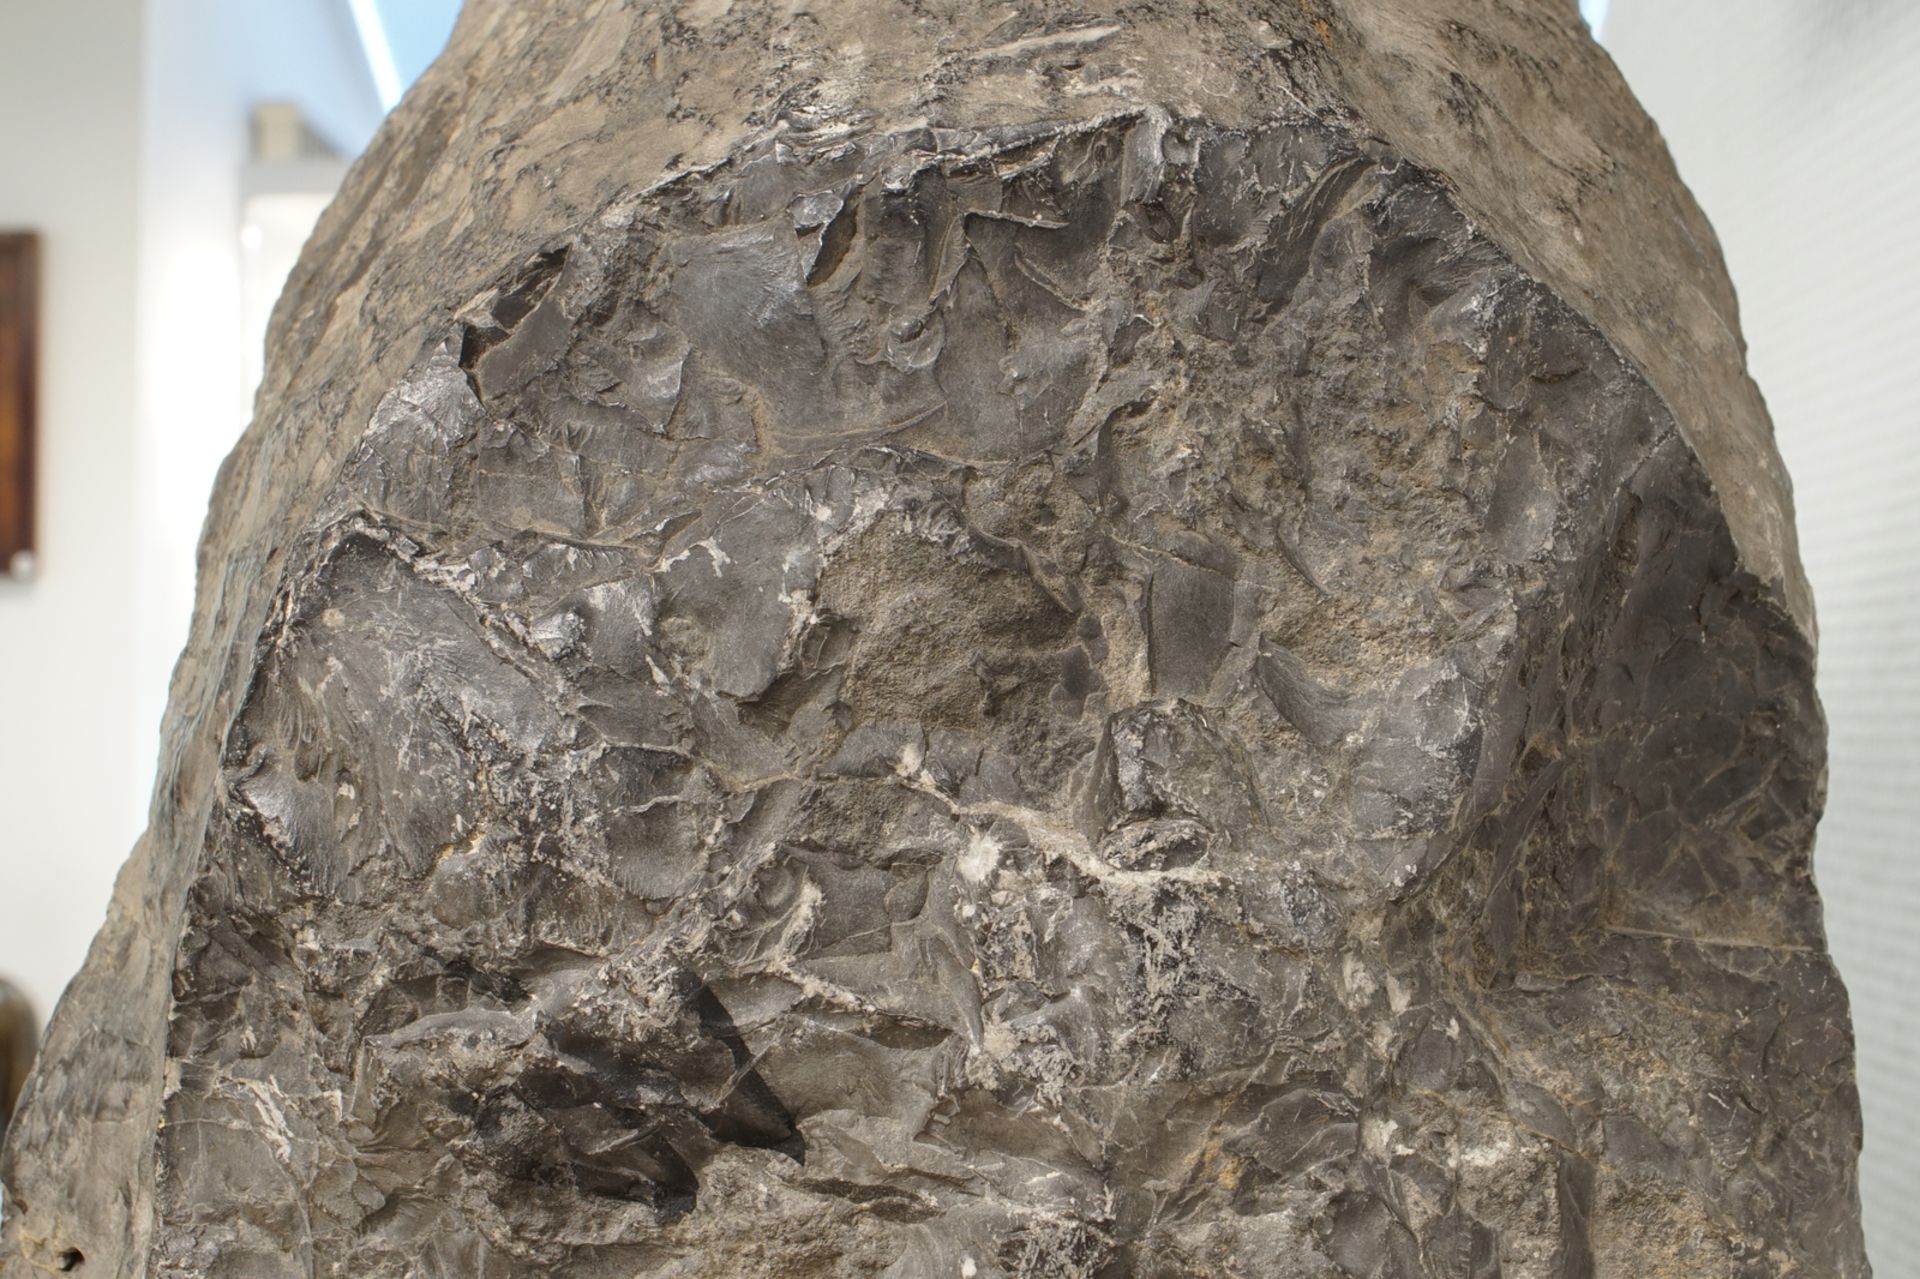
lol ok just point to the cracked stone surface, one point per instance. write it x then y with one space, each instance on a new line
905 641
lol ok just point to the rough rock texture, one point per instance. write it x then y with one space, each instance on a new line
862 639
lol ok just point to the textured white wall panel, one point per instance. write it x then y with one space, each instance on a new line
69 154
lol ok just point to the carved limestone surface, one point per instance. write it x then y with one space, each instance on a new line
877 641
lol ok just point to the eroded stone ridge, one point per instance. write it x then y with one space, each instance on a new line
1127 698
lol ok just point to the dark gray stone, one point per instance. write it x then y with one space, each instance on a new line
1163 644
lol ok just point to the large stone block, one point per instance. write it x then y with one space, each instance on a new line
857 640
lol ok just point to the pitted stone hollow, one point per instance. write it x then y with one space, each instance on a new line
1128 697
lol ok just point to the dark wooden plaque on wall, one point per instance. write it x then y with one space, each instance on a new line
19 333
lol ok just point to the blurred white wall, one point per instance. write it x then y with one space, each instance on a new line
69 165
1796 123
